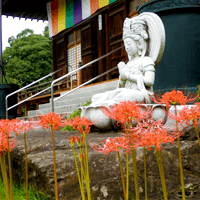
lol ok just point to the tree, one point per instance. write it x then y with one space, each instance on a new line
46 31
28 58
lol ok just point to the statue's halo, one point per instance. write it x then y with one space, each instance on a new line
156 32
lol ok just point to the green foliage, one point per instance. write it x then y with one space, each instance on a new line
22 111
25 33
28 58
87 103
74 114
198 92
46 32
19 192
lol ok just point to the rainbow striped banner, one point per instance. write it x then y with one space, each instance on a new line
63 14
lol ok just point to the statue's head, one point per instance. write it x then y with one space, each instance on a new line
135 36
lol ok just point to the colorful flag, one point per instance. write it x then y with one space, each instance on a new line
63 14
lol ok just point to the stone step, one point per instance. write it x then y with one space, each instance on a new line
84 93
103 86
62 102
59 110
37 117
72 101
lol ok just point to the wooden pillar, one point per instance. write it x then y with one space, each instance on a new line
107 45
79 77
19 112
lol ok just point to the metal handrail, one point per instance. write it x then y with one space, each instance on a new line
66 75
57 80
34 82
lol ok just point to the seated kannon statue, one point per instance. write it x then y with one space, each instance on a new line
137 76
143 38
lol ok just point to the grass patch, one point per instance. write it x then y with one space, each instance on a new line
19 193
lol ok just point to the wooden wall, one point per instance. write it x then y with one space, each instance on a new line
99 34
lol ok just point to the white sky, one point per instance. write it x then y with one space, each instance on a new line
11 27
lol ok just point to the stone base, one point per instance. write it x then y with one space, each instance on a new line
94 114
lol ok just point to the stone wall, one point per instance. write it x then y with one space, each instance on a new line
104 170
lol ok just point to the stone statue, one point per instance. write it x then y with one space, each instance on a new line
144 40
137 76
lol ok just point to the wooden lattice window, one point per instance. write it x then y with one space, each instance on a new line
74 57
74 51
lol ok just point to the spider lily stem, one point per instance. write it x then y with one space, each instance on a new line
10 171
79 179
82 172
87 170
122 175
163 174
145 172
54 158
180 160
135 173
181 169
4 174
161 171
26 165
127 176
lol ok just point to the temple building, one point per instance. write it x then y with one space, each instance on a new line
82 33
84 30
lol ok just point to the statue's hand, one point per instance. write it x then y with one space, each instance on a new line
121 65
124 73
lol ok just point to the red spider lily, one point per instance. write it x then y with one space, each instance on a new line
186 114
27 125
71 140
150 124
148 133
156 137
111 145
51 120
82 124
8 126
126 112
81 156
79 140
144 126
4 143
174 97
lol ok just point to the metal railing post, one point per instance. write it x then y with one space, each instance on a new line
6 102
52 102
71 81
